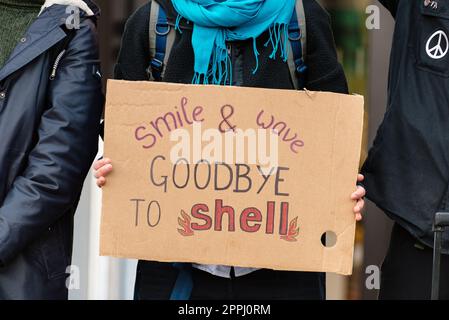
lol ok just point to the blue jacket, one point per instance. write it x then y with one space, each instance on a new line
48 139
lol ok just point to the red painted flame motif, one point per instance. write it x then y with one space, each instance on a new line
293 231
184 223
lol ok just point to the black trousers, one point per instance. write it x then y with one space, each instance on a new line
407 269
155 281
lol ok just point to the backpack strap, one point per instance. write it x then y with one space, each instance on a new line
301 15
297 34
161 40
183 287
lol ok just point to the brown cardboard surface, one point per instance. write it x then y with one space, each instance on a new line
278 222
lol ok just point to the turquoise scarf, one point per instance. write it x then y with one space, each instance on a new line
218 21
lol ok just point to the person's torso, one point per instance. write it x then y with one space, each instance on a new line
407 171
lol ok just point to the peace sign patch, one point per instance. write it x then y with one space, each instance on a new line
437 45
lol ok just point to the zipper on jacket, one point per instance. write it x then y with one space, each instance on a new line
56 65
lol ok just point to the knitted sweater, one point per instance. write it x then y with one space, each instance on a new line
15 18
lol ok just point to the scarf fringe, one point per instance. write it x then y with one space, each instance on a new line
178 21
279 39
220 69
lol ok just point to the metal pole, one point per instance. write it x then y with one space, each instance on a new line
436 264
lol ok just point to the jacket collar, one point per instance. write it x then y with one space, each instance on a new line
45 32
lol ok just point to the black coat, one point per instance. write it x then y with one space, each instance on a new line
324 74
48 134
407 170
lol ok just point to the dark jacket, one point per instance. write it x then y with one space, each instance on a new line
48 132
407 170
324 74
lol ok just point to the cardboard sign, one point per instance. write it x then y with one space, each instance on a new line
231 176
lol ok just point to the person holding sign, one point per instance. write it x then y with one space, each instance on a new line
240 43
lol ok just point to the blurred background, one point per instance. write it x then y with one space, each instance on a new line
364 54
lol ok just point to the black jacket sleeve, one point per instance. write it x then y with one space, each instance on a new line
325 73
391 5
67 141
132 64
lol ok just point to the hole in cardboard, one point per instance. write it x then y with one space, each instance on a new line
329 239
